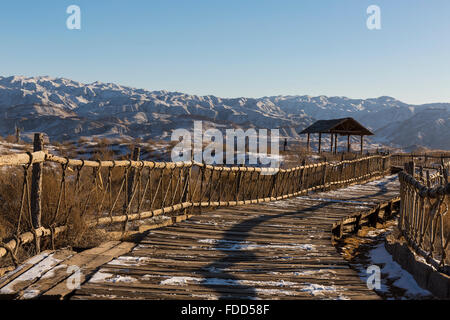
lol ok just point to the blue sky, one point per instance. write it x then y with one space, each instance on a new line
236 48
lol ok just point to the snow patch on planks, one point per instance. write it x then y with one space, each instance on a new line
52 274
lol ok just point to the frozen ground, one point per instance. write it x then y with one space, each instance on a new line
396 283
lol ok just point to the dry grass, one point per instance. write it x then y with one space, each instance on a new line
11 186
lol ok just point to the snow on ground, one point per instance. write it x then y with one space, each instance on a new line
320 273
34 273
51 272
129 261
30 293
225 282
393 271
316 289
228 245
310 288
396 283
274 288
365 203
101 276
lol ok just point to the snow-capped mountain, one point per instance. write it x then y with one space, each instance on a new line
429 127
66 109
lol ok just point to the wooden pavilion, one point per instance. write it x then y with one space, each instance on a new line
344 127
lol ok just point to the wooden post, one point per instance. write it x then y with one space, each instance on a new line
412 168
187 184
302 187
324 177
335 143
388 211
274 182
348 144
202 179
238 183
373 218
17 134
307 143
341 169
36 183
331 142
362 143
320 141
132 174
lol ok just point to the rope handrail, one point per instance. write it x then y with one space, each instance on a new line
20 159
423 190
423 219
398 159
110 192
44 156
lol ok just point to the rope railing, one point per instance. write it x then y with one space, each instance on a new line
423 218
423 159
113 194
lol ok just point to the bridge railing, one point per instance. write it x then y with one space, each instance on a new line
53 194
423 159
424 220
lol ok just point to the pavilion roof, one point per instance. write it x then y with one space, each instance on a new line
343 126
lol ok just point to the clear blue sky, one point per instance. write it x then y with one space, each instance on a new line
236 48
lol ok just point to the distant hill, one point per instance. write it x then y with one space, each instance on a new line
429 127
67 110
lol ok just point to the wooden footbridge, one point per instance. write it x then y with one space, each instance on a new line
274 250
188 230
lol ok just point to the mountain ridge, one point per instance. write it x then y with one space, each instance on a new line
67 109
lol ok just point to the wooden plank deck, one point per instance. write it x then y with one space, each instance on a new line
278 250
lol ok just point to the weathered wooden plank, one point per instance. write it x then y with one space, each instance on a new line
24 267
61 290
63 271
13 288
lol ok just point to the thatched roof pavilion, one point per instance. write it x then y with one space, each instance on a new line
344 127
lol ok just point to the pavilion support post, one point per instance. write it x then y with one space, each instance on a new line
348 143
307 143
331 142
362 143
336 144
320 142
